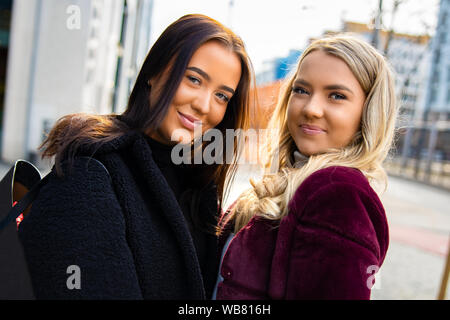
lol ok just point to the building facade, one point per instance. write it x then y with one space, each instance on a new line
409 56
438 88
67 56
278 68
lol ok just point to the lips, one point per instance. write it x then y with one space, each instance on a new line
188 121
311 129
190 118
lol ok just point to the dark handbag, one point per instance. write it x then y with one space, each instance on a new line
18 189
15 280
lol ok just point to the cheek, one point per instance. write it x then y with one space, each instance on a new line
356 120
183 95
170 122
345 125
215 116
293 113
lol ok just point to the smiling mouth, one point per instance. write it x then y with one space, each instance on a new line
311 130
188 122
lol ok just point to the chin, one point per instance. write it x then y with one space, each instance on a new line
309 150
306 153
181 135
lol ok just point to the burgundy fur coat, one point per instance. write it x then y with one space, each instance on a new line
327 247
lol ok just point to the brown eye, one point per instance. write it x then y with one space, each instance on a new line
299 90
194 80
222 97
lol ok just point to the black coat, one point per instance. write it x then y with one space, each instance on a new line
125 231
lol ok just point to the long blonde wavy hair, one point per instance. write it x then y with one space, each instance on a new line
269 198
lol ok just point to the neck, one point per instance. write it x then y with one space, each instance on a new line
299 159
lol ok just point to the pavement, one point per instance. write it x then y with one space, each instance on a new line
419 224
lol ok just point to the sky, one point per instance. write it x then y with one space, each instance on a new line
270 28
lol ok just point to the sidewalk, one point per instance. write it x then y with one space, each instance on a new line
419 223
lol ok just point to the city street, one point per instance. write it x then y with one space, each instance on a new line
419 221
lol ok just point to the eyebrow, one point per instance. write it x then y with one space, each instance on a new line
329 87
207 77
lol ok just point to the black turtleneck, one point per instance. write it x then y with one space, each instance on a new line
180 178
177 176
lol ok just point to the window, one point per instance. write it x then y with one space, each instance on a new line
435 77
89 75
95 14
442 37
444 18
433 95
437 56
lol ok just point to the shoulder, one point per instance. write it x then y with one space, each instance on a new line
82 196
82 167
81 179
336 174
121 143
334 180
341 200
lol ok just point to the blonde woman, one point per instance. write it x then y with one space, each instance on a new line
317 229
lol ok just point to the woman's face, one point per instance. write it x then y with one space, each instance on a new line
210 80
326 104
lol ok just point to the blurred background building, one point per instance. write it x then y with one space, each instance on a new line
422 70
65 56
408 55
59 57
278 68
423 149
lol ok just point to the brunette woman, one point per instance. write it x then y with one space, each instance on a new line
134 224
317 229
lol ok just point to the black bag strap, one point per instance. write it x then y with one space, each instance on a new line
30 196
23 203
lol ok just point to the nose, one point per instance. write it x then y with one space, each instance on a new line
202 102
313 108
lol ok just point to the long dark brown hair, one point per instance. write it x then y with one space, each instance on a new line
171 53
